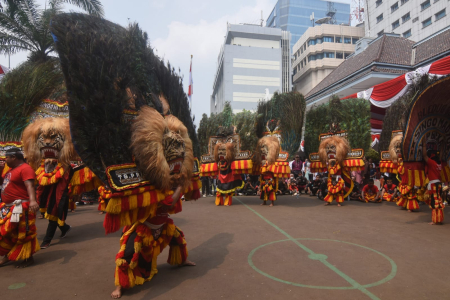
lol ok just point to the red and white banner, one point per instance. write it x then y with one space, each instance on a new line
191 86
381 96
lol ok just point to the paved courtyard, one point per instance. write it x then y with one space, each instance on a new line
298 249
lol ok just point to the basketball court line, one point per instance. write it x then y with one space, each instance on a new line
315 256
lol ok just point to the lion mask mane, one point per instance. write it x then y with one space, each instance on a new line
48 138
230 151
395 148
162 149
334 149
267 151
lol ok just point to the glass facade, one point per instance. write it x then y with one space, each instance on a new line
294 15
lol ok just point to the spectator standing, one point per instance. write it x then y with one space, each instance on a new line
358 178
297 165
205 186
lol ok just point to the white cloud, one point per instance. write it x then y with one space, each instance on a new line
203 40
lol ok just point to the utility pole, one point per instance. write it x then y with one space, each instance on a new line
262 20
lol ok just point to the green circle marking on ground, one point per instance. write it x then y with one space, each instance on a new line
323 257
16 286
316 256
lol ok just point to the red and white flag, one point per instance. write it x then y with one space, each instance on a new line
3 71
191 86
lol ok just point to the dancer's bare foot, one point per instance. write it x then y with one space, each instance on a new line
117 293
432 223
264 203
187 263
326 204
101 213
409 210
271 204
339 205
4 261
26 263
41 217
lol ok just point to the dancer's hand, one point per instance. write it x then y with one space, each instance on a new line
34 207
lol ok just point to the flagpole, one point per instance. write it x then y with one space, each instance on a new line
191 86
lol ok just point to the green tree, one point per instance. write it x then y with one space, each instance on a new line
24 26
353 116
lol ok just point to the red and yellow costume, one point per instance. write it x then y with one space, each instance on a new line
270 175
17 239
335 191
229 177
389 193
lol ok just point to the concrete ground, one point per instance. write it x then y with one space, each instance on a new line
298 249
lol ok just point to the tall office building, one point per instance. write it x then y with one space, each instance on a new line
295 15
412 19
319 51
254 62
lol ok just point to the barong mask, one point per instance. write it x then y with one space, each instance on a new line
267 151
395 148
333 150
162 149
224 154
49 140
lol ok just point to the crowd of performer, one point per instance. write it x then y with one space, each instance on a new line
370 185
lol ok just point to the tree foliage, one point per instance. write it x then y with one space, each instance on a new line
243 122
24 26
353 116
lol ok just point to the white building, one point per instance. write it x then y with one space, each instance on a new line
319 51
412 19
254 62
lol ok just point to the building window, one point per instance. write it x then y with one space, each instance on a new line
328 54
425 4
407 34
319 56
404 1
304 46
301 50
440 14
301 64
380 18
378 2
318 41
394 7
311 57
426 23
406 17
395 24
311 42
347 55
338 39
328 39
347 40
355 40
380 33
339 55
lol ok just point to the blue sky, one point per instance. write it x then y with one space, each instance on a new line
178 29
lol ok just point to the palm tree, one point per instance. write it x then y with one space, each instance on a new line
24 26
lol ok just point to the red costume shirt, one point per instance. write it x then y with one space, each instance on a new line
388 189
370 189
434 170
13 184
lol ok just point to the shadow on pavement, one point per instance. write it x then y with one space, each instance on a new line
42 257
209 255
